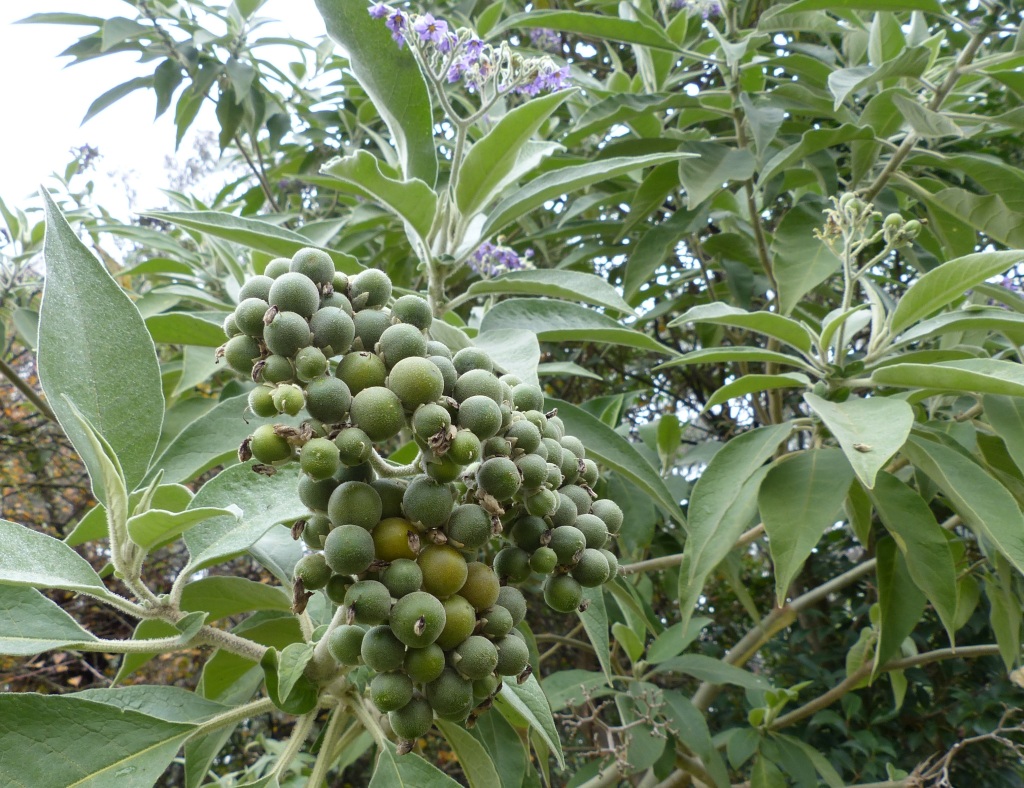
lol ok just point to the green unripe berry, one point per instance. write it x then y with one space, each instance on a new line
512 564
610 512
354 503
613 563
496 447
377 411
427 502
369 601
485 687
316 494
381 650
460 621
362 371
277 369
567 541
536 418
912 228
319 458
475 658
530 532
295 292
416 381
249 316
542 503
354 446
417 619
534 470
580 497
313 571
241 352
544 560
345 642
340 301
563 593
314 264
338 585
523 436
349 549
442 469
480 415
594 530
328 400
565 514
412 720
449 693
555 429
444 570
472 358
310 364
499 477
514 602
591 473
392 539
481 586
477 383
390 492
288 398
497 622
333 330
255 287
430 419
261 402
370 289
369 325
569 468
526 396
435 348
554 450
592 569
464 448
340 282
287 333
423 665
513 656
268 447
315 531
413 310
469 526
448 373
400 341
231 328
275 268
390 691
401 577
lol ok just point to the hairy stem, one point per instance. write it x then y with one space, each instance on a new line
234 716
29 393
303 725
328 748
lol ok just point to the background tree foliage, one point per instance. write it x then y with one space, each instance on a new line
786 364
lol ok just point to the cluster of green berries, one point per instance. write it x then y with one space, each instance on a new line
426 566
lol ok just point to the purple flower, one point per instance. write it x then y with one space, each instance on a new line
379 11
473 49
491 260
558 79
396 24
447 43
544 38
430 29
457 70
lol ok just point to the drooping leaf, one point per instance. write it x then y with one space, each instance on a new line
705 668
514 350
225 595
172 704
554 283
407 771
870 430
287 685
731 354
529 701
158 525
30 623
783 328
95 350
599 26
978 375
799 498
752 383
31 558
801 260
595 622
715 166
476 763
1006 415
900 602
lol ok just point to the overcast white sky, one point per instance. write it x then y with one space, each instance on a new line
44 103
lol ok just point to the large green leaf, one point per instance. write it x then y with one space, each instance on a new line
565 180
968 319
950 280
391 79
983 503
869 430
225 595
514 350
732 354
978 375
502 743
252 233
595 622
172 497
529 701
473 758
722 503
286 682
51 740
799 499
931 6
812 141
714 166
31 558
600 26
211 439
1006 415
490 164
203 329
802 261
560 321
406 771
172 704
770 324
95 350
614 452
30 623
265 501
924 545
705 668
900 602
155 526
555 283
750 384
412 200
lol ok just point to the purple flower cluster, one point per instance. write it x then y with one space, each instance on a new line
460 56
708 9
546 39
490 260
